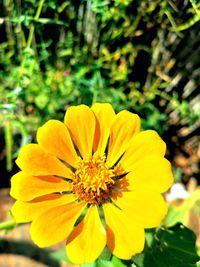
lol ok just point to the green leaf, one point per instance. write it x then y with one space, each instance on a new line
106 254
51 21
93 264
59 255
104 263
117 262
174 246
41 101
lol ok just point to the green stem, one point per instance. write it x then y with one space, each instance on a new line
9 142
7 225
30 36
195 8
32 29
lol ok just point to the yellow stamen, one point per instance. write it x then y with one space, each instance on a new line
94 179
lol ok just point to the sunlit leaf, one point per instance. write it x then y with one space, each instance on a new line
174 246
180 212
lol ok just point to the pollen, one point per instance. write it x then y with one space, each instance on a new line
94 179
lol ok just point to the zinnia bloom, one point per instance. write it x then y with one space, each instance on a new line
94 180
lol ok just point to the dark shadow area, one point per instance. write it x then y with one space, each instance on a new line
28 250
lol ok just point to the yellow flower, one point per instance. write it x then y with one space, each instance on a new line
94 180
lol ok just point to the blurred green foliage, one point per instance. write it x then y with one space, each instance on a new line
138 55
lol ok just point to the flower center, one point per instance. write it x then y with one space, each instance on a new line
94 179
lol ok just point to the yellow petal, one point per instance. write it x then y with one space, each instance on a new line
151 173
143 144
81 122
105 115
124 127
87 240
124 237
54 225
26 187
146 208
28 211
54 137
35 161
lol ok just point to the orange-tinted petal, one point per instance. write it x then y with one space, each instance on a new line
145 207
105 115
54 137
124 127
143 144
26 187
151 173
35 161
81 122
28 211
124 237
55 224
87 240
